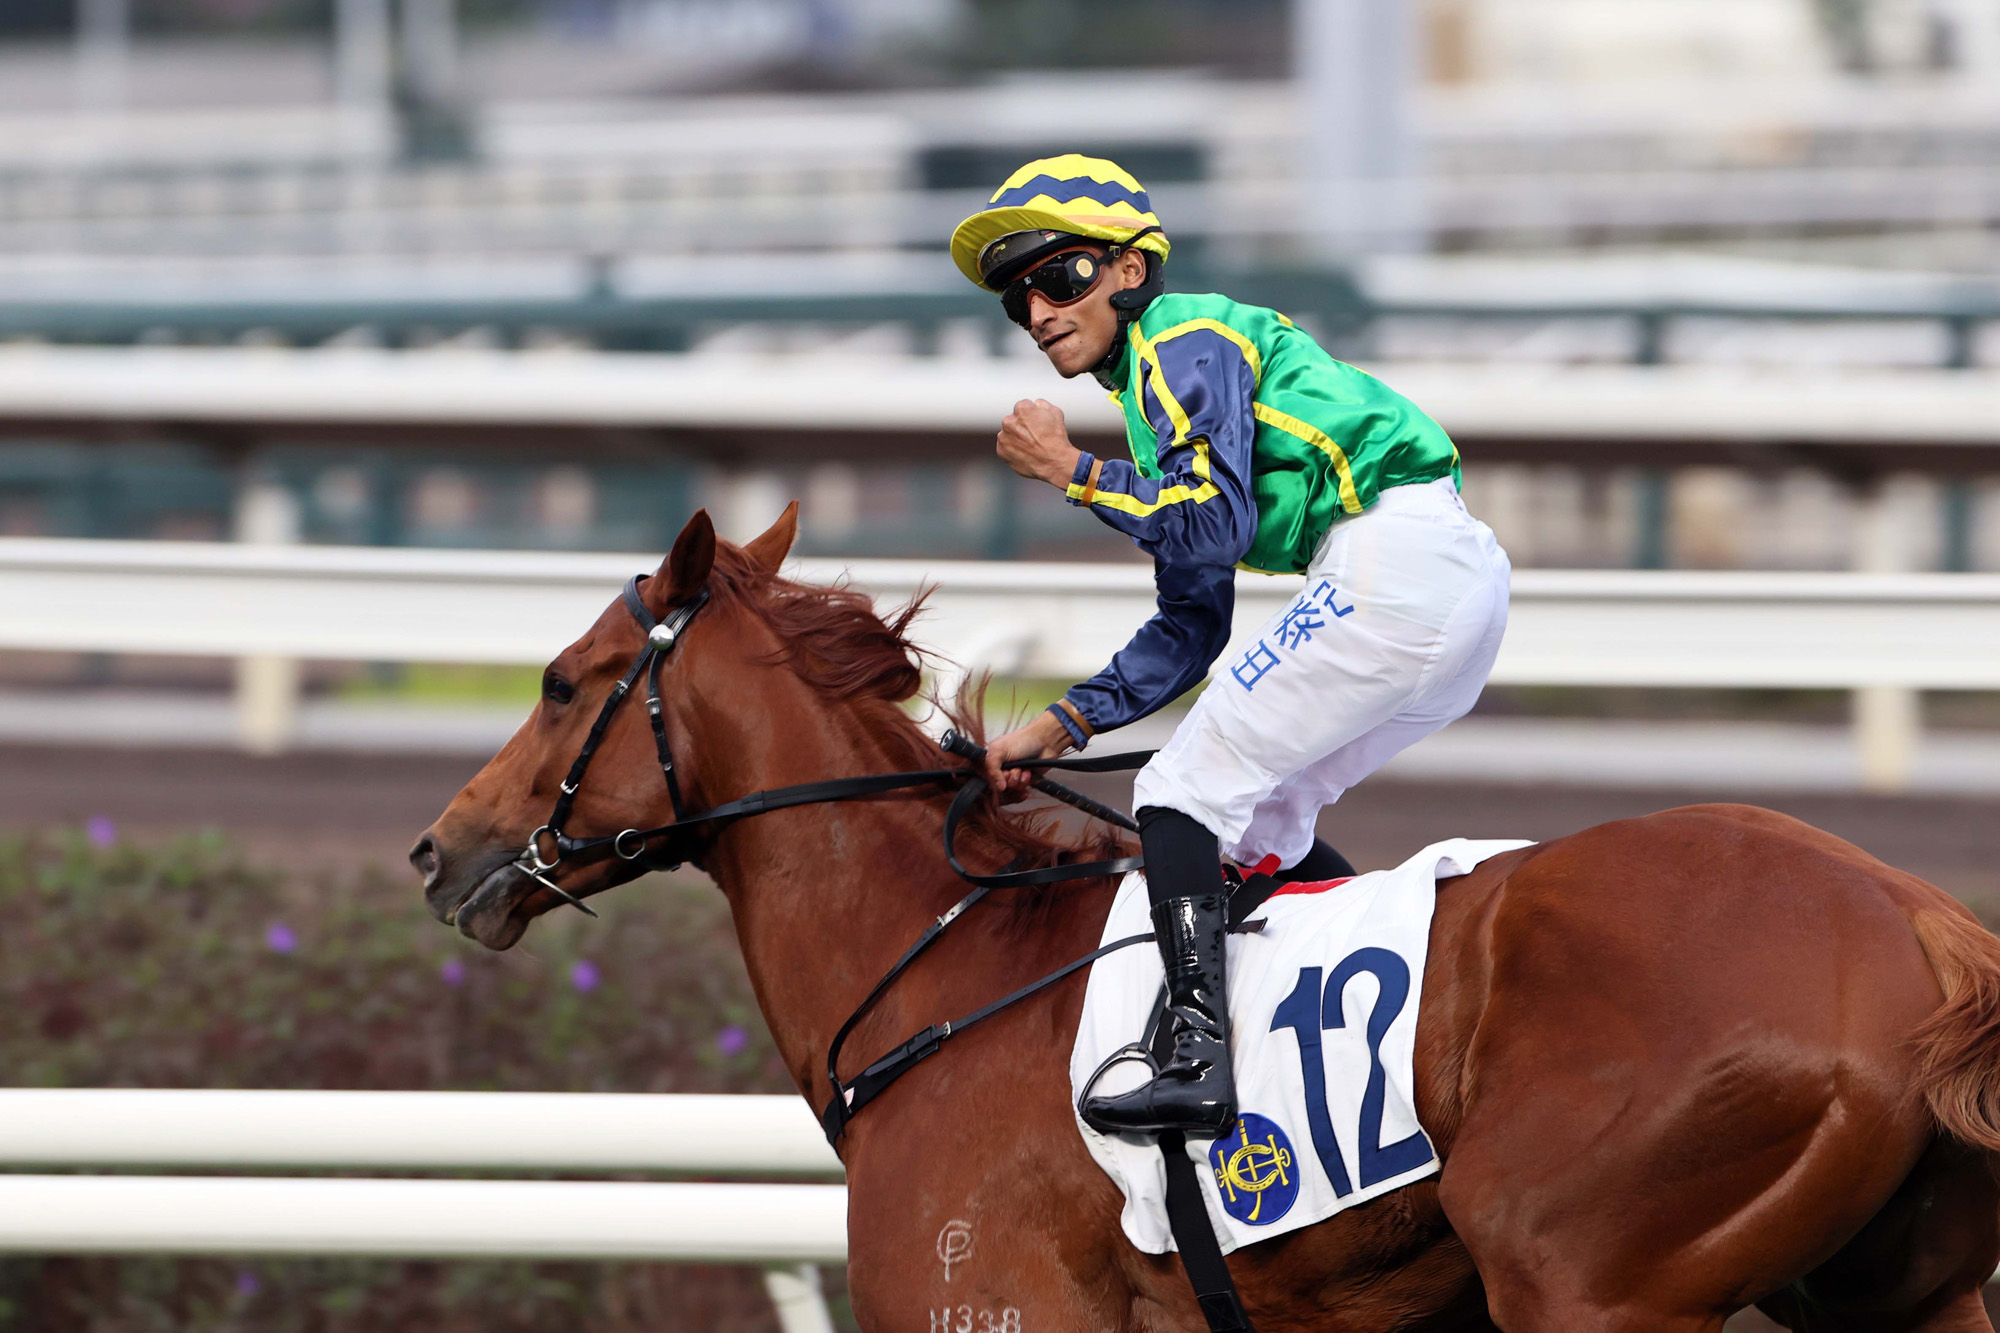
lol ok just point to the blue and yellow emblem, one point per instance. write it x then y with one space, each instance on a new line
1255 1171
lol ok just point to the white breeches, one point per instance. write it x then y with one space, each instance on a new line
1402 616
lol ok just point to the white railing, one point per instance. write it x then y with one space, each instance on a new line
1650 414
783 1228
430 1131
1883 636
1595 627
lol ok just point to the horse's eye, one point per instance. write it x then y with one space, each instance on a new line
557 690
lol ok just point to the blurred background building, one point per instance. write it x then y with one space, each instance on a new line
479 173
1781 198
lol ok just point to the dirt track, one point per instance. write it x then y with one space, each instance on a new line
352 809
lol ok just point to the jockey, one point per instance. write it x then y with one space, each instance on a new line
1254 449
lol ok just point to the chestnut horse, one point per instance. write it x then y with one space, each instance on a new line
1673 1065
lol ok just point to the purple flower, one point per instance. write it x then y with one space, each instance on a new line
731 1040
100 830
453 972
279 936
584 975
247 1284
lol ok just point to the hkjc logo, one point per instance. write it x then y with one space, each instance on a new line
1254 1170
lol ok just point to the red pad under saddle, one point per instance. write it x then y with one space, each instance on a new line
1269 866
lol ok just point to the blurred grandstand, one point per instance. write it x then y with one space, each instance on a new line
1799 189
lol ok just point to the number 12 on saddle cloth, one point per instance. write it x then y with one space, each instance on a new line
1323 1003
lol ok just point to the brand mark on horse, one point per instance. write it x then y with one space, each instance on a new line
1252 1164
965 1319
954 1244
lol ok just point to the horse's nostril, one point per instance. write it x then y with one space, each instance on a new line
424 856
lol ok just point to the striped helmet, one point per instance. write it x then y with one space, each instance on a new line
1071 195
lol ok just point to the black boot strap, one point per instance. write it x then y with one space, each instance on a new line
1194 1235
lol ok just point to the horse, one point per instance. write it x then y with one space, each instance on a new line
1673 1066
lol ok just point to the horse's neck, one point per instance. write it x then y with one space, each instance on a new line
825 897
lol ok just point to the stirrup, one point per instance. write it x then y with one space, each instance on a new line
1132 1052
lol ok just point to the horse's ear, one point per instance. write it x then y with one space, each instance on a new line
770 550
684 571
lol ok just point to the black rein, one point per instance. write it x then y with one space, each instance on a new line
636 845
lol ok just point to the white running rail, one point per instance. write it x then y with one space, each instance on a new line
1595 627
1883 636
786 1229
539 1219
424 1131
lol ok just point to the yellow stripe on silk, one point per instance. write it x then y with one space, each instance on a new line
1216 326
1170 495
1318 439
1176 414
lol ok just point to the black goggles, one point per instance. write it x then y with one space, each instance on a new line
1063 279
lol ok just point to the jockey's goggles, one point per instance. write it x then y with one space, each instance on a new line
1063 279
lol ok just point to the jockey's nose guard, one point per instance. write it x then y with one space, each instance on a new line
630 844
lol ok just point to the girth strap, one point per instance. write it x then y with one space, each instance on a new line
1194 1235
1187 1215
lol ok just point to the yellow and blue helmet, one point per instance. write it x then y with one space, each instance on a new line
1071 195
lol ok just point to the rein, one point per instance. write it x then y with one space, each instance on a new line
636 846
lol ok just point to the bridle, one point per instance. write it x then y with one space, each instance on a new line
637 846
631 844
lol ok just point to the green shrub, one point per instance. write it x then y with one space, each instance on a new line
184 967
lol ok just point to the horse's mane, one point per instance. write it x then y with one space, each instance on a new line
833 640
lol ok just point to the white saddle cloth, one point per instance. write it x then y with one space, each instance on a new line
1323 1005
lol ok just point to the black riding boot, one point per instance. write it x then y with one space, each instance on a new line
1196 1091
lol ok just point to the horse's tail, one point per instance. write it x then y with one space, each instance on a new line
1958 1047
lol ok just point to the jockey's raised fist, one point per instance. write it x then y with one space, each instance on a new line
1034 441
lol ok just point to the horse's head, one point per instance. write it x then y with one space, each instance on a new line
470 858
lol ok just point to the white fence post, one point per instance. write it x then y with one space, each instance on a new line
801 1302
1888 719
267 688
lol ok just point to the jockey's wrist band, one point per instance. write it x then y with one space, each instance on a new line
1083 481
1090 487
1074 722
1070 733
